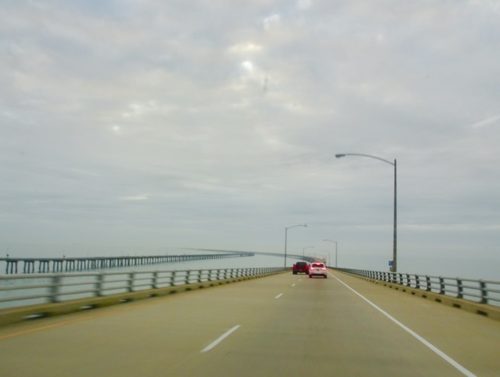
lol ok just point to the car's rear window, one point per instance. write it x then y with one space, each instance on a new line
301 264
318 265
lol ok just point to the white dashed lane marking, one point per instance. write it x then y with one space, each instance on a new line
220 339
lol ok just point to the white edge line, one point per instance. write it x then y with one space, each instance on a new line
436 350
220 339
278 296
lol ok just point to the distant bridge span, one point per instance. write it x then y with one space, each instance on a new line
72 264
291 256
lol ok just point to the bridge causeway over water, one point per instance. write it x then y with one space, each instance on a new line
71 264
279 325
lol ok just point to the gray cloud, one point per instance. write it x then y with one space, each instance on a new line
214 124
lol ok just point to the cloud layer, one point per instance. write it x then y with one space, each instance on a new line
141 125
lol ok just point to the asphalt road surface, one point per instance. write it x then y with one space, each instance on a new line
283 325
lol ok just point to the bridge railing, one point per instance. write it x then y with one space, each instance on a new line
482 291
22 290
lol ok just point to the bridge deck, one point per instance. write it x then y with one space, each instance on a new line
289 325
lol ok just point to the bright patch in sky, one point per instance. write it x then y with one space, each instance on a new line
243 48
271 21
487 122
248 66
304 4
135 198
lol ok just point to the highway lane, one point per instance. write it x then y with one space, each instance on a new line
283 325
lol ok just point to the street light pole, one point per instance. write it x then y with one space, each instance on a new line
394 266
286 236
395 221
336 244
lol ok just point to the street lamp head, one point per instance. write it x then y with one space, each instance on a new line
340 155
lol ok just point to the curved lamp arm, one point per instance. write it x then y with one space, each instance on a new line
340 155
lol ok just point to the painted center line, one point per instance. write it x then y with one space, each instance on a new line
278 296
432 347
220 339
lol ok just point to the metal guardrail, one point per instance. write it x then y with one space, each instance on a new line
22 290
481 291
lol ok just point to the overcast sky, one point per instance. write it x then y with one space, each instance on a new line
144 126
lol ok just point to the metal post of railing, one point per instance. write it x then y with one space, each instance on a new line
98 284
408 280
172 278
460 288
154 282
427 283
417 281
199 276
441 286
187 277
400 278
54 288
484 292
130 286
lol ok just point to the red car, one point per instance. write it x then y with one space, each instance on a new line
317 269
300 267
